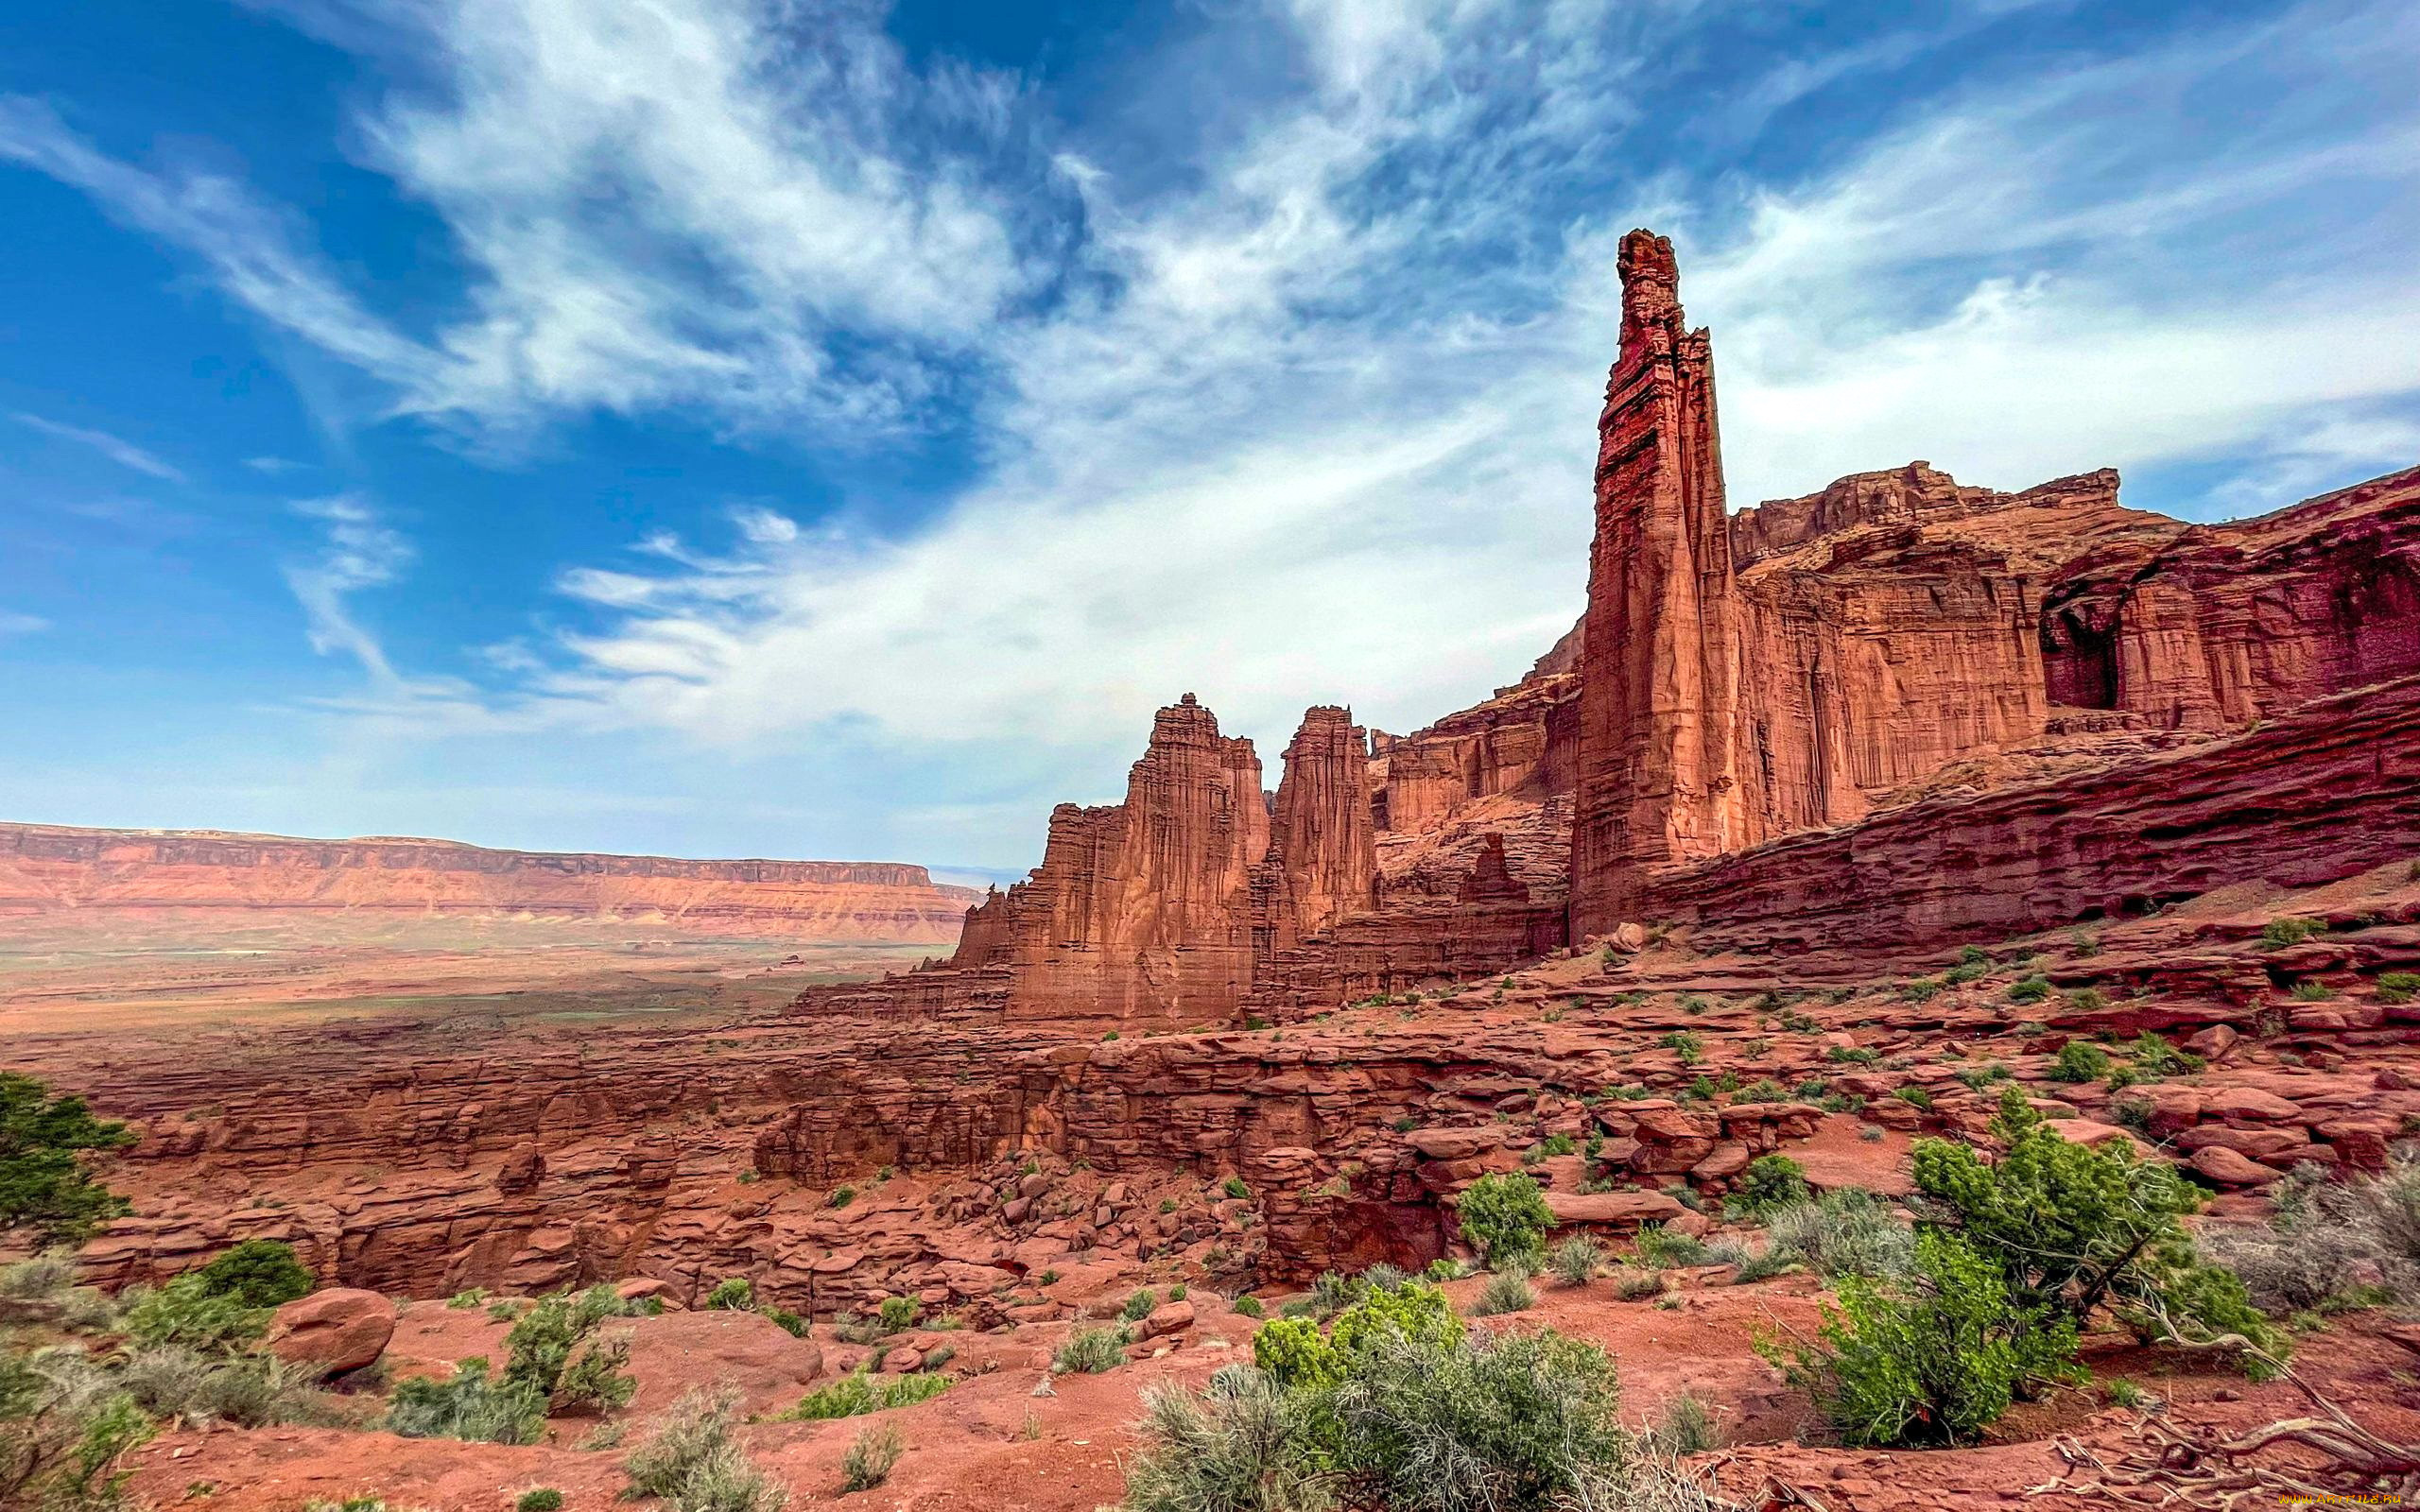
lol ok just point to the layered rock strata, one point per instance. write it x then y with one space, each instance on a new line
53 872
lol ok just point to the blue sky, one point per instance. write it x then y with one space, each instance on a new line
745 427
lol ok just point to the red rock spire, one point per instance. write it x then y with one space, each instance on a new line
1659 675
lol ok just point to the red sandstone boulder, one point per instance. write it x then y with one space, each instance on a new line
2228 1169
336 1330
1454 1143
2238 1104
649 1289
1614 1209
1166 1318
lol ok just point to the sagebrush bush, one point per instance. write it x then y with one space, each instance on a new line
249 1390
734 1294
1849 1232
1089 1352
39 1278
867 1462
538 1498
695 1466
1685 1427
468 1405
1504 1217
1576 1261
1240 1445
1139 1306
65 1430
898 1313
1507 1291
2324 1236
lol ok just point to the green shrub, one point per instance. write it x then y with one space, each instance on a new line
1931 1359
595 1379
1763 1090
2028 989
468 1405
841 1196
2087 1000
2398 986
1923 990
1852 1055
1505 1217
1139 1306
465 1300
1089 1352
1234 1187
1770 1181
2311 992
1633 1285
898 1313
795 1326
549 1351
1688 1045
1576 1261
1661 1247
1507 1291
693 1464
2282 933
1180 1291
1558 1144
863 1391
258 1273
46 1146
733 1293
540 1499
2155 1057
184 1313
1914 1096
1249 1306
2081 1061
870 1456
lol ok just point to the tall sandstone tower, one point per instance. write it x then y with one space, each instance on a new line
1658 772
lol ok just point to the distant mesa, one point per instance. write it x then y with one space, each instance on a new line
57 872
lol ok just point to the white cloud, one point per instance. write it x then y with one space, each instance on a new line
12 622
124 453
356 551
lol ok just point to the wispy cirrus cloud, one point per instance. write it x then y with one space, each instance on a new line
124 453
356 551
14 623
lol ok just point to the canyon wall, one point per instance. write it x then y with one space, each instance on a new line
54 873
1810 661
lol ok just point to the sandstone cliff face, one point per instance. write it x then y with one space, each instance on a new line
1657 779
1322 861
1140 909
56 871
2228 624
